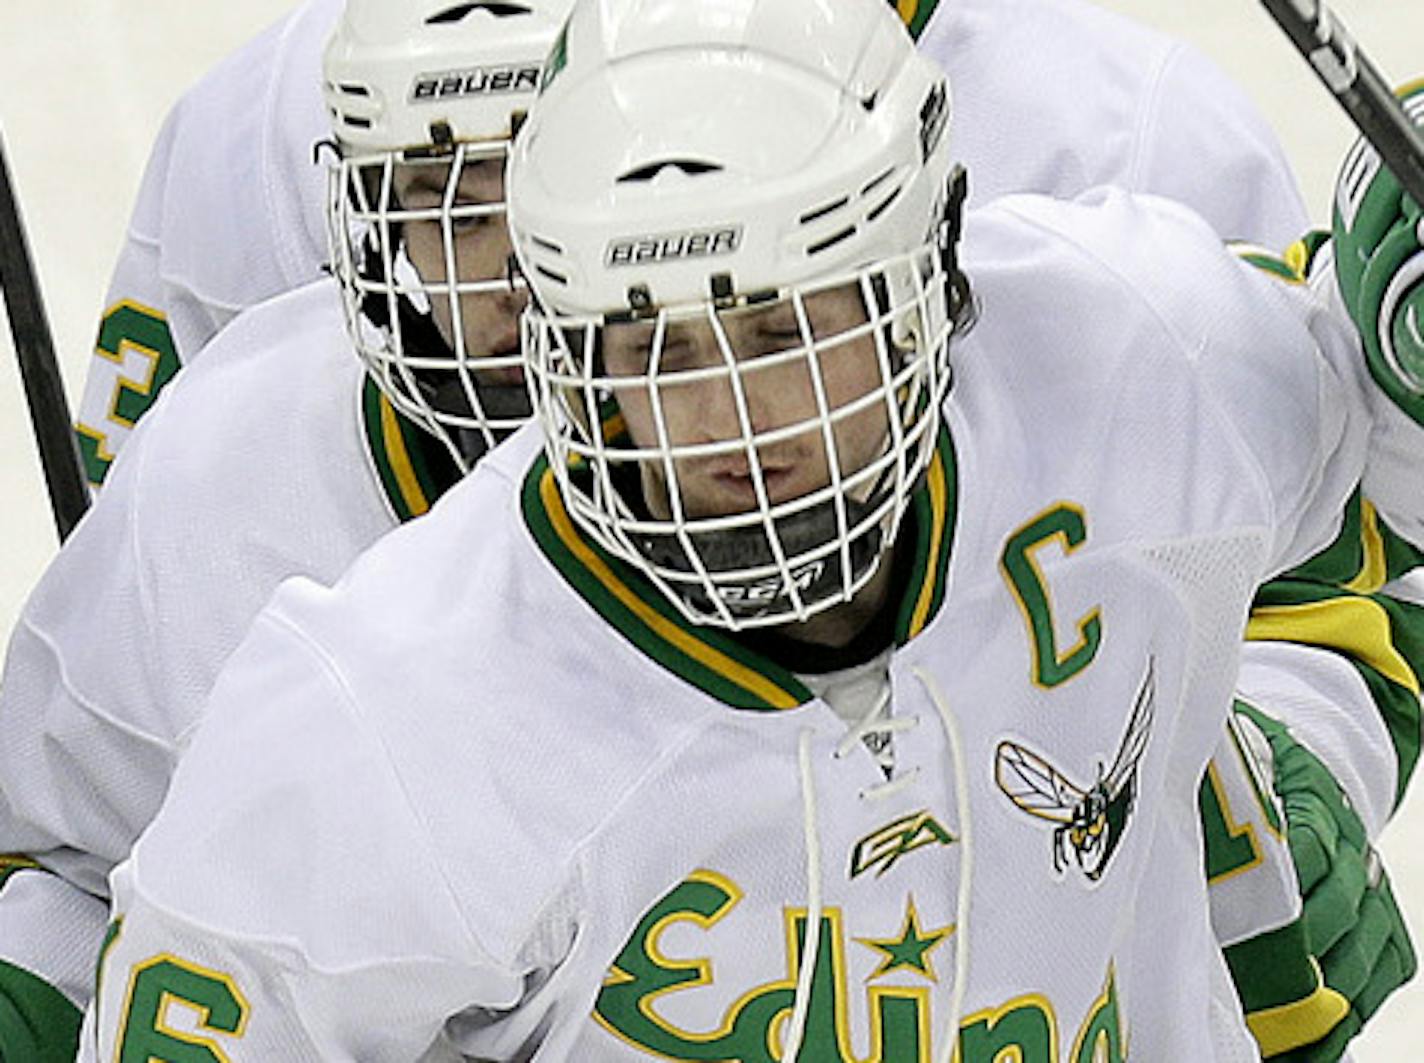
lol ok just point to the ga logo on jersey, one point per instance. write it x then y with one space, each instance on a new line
882 849
1090 820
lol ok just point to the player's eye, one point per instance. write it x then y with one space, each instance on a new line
469 223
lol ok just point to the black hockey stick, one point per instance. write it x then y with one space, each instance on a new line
34 349
1358 86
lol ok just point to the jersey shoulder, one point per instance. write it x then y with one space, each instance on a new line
234 192
1095 98
257 456
1118 323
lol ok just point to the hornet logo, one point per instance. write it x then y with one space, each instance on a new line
1090 820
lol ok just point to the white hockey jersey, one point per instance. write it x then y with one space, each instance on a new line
1051 96
229 213
560 824
278 459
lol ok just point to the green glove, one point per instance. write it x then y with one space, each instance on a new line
38 1024
1353 926
1380 268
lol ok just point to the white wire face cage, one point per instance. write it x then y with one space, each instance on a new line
420 248
753 456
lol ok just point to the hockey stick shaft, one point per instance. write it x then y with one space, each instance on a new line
1357 85
39 369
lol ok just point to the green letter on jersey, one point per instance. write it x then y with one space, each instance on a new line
136 340
161 989
1023 1030
1065 523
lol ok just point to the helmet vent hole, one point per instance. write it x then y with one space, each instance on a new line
497 8
546 245
822 211
353 89
690 167
557 278
877 180
883 205
831 241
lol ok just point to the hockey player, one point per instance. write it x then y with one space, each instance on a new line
229 212
116 650
149 693
762 491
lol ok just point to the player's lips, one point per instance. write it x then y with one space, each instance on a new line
503 375
734 487
506 350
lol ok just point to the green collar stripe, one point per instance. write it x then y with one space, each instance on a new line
707 658
704 657
413 472
935 506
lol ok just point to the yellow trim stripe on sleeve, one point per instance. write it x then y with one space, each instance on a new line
401 465
938 491
669 632
1374 571
1357 626
1289 1026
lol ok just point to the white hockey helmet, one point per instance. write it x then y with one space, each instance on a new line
434 88
691 165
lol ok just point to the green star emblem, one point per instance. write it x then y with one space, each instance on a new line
911 949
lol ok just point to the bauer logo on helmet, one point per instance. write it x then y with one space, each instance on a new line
481 81
693 243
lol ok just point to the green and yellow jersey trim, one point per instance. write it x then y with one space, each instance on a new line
1287 1003
1293 266
915 14
10 863
934 509
707 657
1334 602
413 470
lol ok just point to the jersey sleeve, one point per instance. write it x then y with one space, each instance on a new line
228 214
85 752
136 352
49 932
116 650
1302 408
1335 648
287 903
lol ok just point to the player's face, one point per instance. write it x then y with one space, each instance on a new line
480 250
780 393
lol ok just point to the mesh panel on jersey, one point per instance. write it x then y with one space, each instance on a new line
1216 578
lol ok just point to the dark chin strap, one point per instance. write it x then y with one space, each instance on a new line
736 549
500 402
